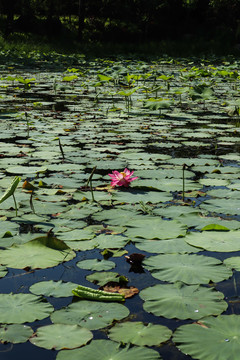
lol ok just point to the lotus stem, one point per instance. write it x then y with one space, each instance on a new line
90 181
15 203
61 149
183 188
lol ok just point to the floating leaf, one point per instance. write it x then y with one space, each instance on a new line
96 265
92 315
53 288
233 262
213 338
190 269
222 241
42 252
106 349
102 278
183 301
139 334
21 308
60 336
155 228
15 333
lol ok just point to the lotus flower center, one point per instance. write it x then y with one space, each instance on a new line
123 174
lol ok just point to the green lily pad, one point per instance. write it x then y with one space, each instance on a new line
15 333
169 246
92 315
183 301
53 288
21 308
42 252
106 349
96 265
3 271
233 262
222 241
190 269
222 206
102 278
60 336
110 241
213 338
155 228
135 196
139 334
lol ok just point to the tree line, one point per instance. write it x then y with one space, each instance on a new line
122 20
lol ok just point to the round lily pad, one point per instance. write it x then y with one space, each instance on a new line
42 252
53 288
107 349
96 264
21 308
90 314
222 241
190 269
213 338
140 334
15 333
166 246
60 336
155 228
183 301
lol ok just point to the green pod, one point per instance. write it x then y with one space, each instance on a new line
97 295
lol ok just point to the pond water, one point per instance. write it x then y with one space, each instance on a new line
175 123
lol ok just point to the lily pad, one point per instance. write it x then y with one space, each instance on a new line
21 308
139 334
169 246
190 269
53 288
92 315
183 301
233 262
107 349
213 338
42 252
15 333
155 228
102 278
96 265
60 336
222 241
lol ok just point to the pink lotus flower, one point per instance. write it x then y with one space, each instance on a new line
122 178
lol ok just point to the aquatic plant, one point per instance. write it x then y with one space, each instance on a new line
122 178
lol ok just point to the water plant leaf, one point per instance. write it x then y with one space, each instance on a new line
96 264
155 228
42 252
107 349
102 278
169 246
213 338
3 271
222 241
90 314
61 336
21 308
190 269
137 333
183 301
233 262
53 288
15 333
11 189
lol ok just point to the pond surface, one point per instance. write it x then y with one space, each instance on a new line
175 123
